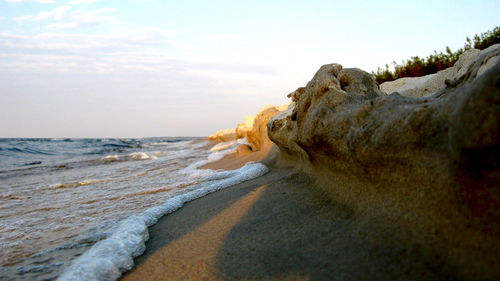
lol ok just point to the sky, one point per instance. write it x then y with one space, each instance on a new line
144 68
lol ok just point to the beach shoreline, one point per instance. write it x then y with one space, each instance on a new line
276 227
347 194
377 185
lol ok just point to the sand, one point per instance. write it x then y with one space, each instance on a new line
277 227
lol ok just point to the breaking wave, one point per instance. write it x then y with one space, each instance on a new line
108 258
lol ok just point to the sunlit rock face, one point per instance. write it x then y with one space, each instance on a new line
430 164
246 126
254 130
224 135
257 136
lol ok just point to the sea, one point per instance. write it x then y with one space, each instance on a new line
79 209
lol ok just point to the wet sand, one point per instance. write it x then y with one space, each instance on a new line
276 227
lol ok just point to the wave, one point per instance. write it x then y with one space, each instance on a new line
12 150
222 149
124 145
100 146
166 142
141 156
77 184
228 145
131 156
160 143
108 258
72 174
33 163
25 139
192 171
59 149
37 166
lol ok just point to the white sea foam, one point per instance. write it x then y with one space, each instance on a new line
200 144
111 158
113 255
141 156
218 152
159 143
138 156
67 210
131 156
228 145
222 146
77 184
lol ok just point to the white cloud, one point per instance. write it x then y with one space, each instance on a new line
144 49
80 18
66 20
38 1
84 2
55 14
85 45
73 2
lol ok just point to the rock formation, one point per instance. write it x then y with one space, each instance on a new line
428 161
254 129
257 136
244 127
224 135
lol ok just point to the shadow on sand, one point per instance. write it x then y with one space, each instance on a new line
274 227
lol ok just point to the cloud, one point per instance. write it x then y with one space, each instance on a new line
80 18
133 44
73 2
55 14
82 2
38 1
143 49
117 40
66 20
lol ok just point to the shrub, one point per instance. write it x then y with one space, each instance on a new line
415 66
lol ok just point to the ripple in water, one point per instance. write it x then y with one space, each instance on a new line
76 191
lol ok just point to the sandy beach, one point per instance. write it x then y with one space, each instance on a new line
351 194
238 140
274 228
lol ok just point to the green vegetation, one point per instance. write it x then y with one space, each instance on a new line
416 66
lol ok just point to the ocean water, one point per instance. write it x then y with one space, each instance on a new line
79 209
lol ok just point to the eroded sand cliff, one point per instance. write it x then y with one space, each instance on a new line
429 162
254 130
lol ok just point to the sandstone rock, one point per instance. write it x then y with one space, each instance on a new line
224 135
430 84
244 127
430 164
417 86
257 136
254 129
243 149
